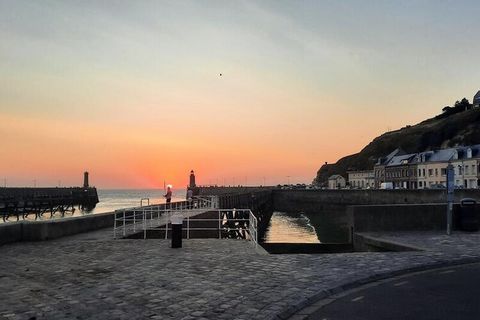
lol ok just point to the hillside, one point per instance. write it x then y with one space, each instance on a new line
442 131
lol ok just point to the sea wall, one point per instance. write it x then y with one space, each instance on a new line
404 217
216 191
52 229
315 200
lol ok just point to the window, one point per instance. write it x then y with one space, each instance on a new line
430 172
419 172
423 172
436 171
466 170
420 184
444 171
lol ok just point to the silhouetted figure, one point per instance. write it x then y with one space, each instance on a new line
168 195
190 198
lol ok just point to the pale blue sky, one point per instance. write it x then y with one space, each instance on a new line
293 70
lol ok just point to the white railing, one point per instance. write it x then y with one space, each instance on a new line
253 227
129 221
229 223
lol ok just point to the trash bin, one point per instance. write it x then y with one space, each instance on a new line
177 222
468 215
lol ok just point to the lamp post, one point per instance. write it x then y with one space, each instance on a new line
450 189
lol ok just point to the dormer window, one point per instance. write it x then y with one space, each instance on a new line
469 153
455 155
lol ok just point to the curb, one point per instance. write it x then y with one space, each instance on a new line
292 311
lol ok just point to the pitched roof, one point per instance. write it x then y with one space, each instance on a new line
398 160
476 98
386 160
335 177
443 155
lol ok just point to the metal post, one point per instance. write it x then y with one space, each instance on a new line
124 222
188 227
219 225
115 225
166 228
134 219
450 188
144 225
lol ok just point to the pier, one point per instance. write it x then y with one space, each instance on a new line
21 202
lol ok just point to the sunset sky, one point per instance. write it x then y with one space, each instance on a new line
131 91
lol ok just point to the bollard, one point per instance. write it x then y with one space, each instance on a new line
177 222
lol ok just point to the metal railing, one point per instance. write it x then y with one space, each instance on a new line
226 223
129 221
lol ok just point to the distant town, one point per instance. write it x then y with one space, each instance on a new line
424 170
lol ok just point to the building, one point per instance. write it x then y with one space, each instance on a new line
401 171
336 181
432 167
361 179
476 100
466 166
379 168
428 169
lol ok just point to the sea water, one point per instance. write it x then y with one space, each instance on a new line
290 228
113 199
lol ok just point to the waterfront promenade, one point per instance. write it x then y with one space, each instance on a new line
92 276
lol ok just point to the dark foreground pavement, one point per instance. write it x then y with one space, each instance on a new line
448 293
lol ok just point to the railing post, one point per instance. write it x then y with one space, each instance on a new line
115 225
219 225
124 222
166 228
144 225
134 220
188 227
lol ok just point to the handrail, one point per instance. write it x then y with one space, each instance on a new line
157 217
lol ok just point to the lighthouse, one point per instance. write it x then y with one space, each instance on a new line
192 184
85 179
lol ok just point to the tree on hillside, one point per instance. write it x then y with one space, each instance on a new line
459 106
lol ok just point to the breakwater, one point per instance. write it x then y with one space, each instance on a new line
20 202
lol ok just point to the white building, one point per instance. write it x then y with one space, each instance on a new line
361 179
466 165
336 181
432 168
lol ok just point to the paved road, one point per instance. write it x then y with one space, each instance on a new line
452 293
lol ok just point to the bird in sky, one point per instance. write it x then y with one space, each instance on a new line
220 74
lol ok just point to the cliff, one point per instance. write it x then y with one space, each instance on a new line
442 131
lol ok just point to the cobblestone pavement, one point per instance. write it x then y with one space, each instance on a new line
92 276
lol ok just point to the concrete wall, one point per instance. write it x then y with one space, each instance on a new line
313 200
404 217
215 191
51 229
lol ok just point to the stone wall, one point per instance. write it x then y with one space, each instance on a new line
52 229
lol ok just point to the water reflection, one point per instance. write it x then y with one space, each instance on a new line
290 228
